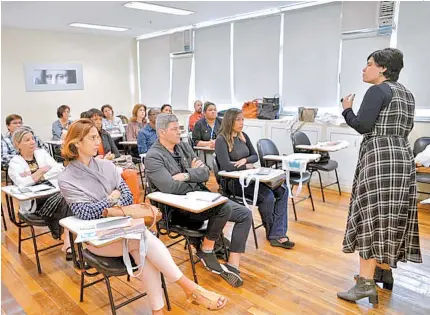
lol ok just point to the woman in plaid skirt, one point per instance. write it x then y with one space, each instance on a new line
382 221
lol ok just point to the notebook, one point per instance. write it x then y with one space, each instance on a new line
203 196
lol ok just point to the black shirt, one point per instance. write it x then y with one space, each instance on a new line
376 98
203 132
240 150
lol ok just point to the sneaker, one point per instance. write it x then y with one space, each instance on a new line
232 277
210 261
232 269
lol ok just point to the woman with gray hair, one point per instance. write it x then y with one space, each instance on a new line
34 166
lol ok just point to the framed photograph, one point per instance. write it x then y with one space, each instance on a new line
53 77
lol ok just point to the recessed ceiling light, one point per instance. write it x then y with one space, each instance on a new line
156 8
99 27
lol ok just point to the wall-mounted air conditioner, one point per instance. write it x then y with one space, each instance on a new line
181 42
385 17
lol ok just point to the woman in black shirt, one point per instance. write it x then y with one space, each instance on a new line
206 129
234 151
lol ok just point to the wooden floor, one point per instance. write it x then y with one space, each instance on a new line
276 281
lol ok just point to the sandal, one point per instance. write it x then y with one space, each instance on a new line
206 298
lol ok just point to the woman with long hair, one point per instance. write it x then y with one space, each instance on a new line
234 151
137 122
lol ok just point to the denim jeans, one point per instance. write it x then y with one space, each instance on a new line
273 208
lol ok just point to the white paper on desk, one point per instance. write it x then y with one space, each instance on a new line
425 202
203 196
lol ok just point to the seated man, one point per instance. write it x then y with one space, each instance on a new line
172 167
8 150
147 135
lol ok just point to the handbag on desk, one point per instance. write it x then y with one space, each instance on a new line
269 109
149 213
250 109
307 114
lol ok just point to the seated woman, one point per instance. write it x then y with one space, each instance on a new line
60 126
91 185
137 122
166 109
34 166
112 124
206 129
107 149
234 151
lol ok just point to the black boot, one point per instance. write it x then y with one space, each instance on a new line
364 288
382 276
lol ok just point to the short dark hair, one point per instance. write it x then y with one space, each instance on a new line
206 106
94 112
391 59
61 110
12 117
84 114
106 106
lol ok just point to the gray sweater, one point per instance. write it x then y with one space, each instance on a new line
160 166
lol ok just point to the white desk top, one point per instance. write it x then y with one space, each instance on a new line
116 135
309 157
15 193
274 174
133 142
204 148
425 202
183 203
329 146
54 142
75 225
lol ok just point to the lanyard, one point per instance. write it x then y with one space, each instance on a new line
212 130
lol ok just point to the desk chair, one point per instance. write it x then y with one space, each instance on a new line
223 186
268 147
419 146
300 138
29 220
173 231
107 267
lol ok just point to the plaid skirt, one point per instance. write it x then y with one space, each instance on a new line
383 220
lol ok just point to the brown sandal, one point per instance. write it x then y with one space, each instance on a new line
206 298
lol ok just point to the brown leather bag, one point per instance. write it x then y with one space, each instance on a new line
149 213
250 109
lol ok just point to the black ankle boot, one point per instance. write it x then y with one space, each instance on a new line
364 288
386 279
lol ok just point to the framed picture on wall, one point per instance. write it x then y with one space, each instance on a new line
53 77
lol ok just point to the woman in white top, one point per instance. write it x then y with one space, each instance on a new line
34 166
111 124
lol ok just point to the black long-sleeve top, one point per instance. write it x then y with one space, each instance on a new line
376 97
240 150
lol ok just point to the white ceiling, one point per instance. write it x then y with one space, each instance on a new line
56 15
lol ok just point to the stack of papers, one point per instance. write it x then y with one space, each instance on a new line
121 227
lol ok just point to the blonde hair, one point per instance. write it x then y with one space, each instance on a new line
19 134
77 131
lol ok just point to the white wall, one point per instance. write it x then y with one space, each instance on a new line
109 71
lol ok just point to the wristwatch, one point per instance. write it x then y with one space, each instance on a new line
186 177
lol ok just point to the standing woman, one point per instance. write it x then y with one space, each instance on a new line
382 220
206 129
137 122
60 126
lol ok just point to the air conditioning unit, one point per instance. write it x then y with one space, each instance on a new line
181 42
385 13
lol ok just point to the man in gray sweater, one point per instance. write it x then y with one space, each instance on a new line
172 167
